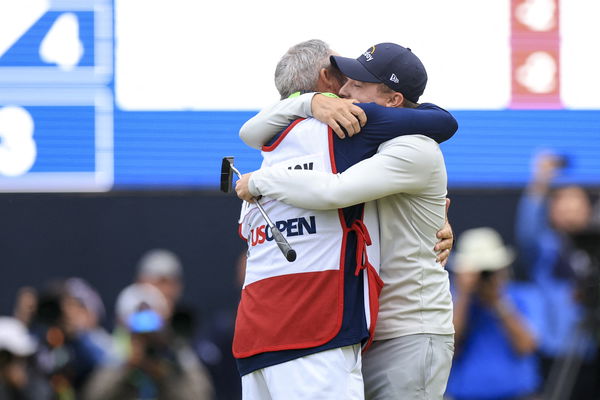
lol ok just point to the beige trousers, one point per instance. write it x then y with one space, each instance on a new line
413 367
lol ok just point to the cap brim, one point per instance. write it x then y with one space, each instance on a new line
353 69
24 349
21 345
490 261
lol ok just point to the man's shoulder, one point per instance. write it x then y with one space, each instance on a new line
418 152
298 123
416 142
375 107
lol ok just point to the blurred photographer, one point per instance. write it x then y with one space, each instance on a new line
71 340
496 323
18 379
157 364
550 213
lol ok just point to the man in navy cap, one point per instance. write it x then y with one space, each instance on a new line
384 68
413 348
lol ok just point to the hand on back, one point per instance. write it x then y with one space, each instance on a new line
342 115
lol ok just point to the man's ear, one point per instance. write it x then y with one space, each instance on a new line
326 80
395 100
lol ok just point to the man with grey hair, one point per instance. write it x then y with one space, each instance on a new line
300 326
303 71
297 70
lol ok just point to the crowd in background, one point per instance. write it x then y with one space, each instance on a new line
56 344
535 337
529 338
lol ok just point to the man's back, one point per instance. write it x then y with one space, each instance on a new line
320 301
416 296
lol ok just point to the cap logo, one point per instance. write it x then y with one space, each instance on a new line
368 54
394 78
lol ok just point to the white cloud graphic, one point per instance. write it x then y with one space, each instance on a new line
538 73
538 15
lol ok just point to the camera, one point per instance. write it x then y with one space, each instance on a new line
485 275
563 161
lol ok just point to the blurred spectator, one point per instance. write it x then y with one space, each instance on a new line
214 343
18 379
72 341
162 269
83 311
26 305
140 295
496 322
157 364
134 297
547 219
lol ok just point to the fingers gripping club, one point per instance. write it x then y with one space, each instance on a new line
227 170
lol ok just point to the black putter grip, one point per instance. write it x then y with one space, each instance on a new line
284 246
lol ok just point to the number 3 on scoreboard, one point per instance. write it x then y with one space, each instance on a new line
17 147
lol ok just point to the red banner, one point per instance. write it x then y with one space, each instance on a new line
535 56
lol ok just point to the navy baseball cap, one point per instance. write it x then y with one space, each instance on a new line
393 65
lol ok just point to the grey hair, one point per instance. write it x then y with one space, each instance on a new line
298 70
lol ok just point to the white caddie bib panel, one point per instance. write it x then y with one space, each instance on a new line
328 375
316 235
299 304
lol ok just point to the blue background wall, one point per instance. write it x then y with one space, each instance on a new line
490 149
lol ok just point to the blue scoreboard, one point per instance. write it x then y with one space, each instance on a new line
56 101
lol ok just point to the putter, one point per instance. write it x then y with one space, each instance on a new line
227 170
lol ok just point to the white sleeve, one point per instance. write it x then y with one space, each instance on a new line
401 167
270 121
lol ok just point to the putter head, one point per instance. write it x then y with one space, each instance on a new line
226 174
